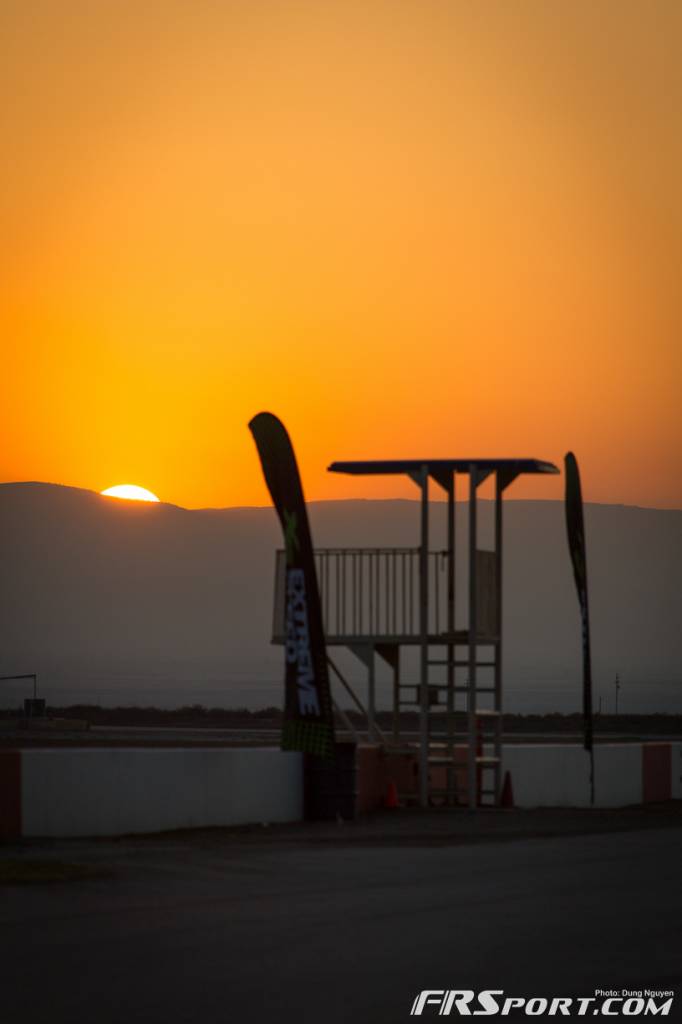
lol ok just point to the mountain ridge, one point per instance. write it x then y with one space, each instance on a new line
102 594
437 500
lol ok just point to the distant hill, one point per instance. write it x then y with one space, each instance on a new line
133 603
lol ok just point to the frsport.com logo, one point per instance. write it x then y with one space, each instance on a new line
494 1001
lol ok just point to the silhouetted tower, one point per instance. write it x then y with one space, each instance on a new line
382 602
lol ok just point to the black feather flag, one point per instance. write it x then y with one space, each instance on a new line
575 527
308 715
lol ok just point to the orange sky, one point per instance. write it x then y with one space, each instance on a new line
407 228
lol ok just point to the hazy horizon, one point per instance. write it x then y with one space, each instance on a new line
116 602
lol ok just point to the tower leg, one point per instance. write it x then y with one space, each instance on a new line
471 701
396 697
371 692
424 636
450 655
498 632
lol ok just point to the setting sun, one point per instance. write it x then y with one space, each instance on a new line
131 492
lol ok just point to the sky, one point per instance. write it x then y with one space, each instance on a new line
410 228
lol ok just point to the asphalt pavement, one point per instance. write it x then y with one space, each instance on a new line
344 923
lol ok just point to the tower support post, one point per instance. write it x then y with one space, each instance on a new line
424 642
473 593
498 634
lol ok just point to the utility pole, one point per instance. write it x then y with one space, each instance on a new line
617 684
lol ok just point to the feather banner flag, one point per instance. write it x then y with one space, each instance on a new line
308 714
575 528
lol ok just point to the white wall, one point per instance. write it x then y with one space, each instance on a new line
86 792
105 792
557 775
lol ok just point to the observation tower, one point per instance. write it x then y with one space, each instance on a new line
380 601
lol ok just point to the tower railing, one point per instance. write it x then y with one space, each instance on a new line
371 593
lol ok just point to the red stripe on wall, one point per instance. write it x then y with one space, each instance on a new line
656 772
10 794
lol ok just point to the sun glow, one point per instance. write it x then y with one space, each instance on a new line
130 492
240 218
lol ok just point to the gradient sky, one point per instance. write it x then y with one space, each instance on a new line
408 228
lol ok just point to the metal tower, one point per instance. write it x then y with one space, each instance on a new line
377 601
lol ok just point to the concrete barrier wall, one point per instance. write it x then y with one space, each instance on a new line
85 792
116 791
625 773
542 775
656 772
676 770
558 775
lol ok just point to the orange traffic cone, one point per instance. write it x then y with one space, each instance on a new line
391 798
507 797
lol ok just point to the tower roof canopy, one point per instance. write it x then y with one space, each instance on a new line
439 466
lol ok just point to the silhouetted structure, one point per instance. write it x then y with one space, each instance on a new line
377 600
